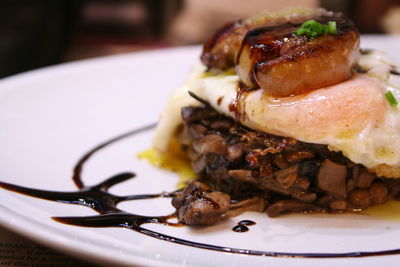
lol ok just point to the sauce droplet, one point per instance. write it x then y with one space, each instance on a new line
246 223
240 228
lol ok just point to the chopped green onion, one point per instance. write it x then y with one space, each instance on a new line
313 28
391 99
332 27
301 31
313 25
325 30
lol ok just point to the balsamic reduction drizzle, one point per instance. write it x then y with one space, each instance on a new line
76 174
394 72
98 198
242 226
246 223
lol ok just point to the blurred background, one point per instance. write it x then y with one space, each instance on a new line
37 33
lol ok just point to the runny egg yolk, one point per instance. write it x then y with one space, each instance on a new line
173 159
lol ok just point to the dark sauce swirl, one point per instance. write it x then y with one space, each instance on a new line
99 199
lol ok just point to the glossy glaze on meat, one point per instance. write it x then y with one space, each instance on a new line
221 50
284 64
268 55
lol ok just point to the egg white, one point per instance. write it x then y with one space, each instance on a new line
376 143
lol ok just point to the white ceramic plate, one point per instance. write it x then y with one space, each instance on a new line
50 117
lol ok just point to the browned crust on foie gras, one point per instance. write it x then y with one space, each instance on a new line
284 64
